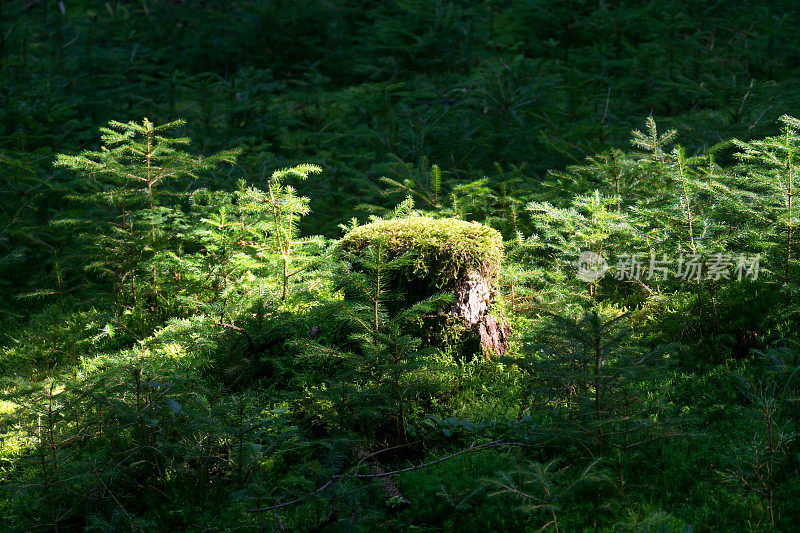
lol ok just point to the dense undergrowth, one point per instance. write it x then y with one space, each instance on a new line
190 342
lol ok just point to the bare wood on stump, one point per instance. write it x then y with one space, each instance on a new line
472 298
494 332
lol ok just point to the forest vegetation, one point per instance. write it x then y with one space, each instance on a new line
251 253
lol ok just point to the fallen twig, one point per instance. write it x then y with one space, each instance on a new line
338 477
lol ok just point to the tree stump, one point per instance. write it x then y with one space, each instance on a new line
451 255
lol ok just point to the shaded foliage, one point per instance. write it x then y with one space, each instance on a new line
188 341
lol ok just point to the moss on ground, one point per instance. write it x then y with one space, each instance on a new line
447 246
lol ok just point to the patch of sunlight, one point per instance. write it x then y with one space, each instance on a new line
173 350
13 439
7 408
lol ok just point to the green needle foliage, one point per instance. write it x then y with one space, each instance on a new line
225 356
134 160
595 380
188 343
589 225
384 356
123 180
286 209
770 191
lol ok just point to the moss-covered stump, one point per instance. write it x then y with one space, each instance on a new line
449 255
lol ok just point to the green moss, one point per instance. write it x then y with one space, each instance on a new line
447 246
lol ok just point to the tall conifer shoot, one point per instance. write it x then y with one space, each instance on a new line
126 176
286 209
771 178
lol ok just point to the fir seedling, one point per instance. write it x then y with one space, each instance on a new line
383 353
591 225
428 190
770 187
651 143
124 178
135 160
540 489
591 373
286 208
